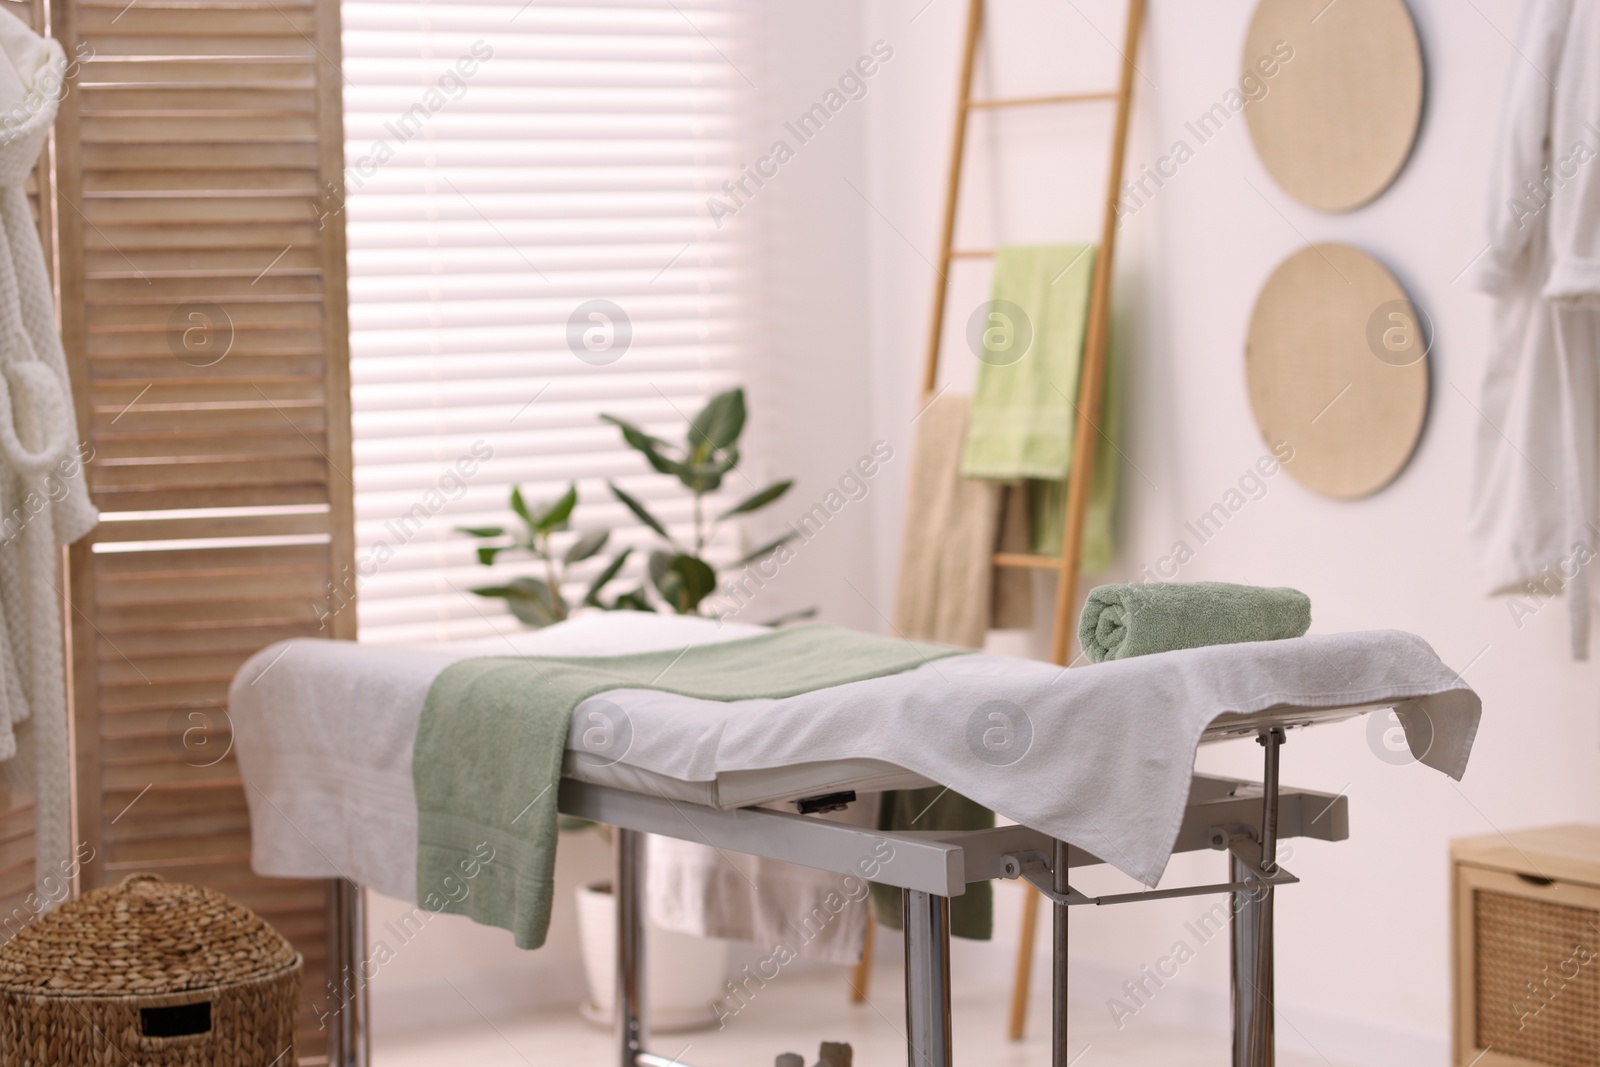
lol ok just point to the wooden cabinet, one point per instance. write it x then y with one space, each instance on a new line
1526 946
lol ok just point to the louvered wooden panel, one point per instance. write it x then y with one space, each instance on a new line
18 904
196 163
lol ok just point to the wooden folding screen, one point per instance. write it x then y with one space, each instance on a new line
202 262
17 904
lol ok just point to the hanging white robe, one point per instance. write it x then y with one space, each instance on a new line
44 504
1534 522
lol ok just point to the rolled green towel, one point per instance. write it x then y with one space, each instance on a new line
1135 620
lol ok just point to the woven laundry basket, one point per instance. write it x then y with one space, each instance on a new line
149 973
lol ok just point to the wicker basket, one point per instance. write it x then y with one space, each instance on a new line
149 973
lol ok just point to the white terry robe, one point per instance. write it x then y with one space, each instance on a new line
44 504
1533 520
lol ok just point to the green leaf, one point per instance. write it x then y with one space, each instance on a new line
720 422
667 465
639 511
534 613
682 580
660 564
556 515
637 600
699 581
758 501
520 506
586 546
487 553
633 435
724 461
701 453
766 550
707 478
650 447
534 603
482 531
529 599
592 597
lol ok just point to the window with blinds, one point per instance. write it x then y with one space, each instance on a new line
530 246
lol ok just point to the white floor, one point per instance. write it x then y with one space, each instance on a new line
801 1010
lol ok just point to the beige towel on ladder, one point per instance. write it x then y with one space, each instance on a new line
946 552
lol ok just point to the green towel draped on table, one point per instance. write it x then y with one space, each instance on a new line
487 761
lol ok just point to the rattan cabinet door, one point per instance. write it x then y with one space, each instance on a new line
1527 975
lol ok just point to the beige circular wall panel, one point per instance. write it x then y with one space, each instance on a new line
1337 370
1341 108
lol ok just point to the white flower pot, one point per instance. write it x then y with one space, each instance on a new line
684 974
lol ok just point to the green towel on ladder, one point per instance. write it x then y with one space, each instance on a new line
1047 501
1024 410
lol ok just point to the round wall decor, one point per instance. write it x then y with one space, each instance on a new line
1336 362
1336 120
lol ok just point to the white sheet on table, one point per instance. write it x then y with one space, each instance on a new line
325 727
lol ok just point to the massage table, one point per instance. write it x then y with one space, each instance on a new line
324 733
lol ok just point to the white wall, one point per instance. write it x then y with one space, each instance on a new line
1363 962
808 366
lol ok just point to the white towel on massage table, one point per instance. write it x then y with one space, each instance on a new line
325 729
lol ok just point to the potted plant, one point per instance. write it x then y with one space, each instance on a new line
678 575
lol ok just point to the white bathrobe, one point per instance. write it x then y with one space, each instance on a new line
44 504
1533 521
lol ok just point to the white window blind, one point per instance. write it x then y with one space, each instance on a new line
507 164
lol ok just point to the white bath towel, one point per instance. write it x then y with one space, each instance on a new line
43 502
1533 520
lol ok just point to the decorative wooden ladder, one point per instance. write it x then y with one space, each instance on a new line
1091 386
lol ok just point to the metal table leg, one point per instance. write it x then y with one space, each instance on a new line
1254 1036
1058 961
347 1035
630 1002
1252 972
927 923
